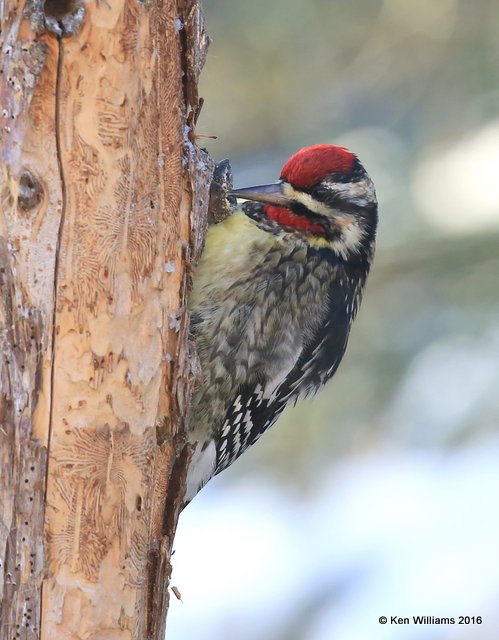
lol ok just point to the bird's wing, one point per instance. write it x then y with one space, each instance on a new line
247 418
256 407
322 354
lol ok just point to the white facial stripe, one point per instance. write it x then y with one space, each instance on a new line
306 200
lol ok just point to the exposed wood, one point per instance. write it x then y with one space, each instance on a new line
103 207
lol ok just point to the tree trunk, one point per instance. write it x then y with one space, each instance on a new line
103 200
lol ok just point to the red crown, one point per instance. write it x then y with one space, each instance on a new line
311 165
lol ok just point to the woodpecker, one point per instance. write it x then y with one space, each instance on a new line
277 288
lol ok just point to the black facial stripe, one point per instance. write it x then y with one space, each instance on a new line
302 210
335 202
331 232
255 210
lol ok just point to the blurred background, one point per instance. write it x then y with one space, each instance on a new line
380 496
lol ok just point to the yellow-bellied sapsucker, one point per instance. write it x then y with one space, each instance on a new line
275 293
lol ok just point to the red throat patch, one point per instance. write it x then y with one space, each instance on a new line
287 218
310 165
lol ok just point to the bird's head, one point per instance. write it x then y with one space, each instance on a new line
325 195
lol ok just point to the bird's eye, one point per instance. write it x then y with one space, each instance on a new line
326 193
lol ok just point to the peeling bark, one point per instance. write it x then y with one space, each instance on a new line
103 207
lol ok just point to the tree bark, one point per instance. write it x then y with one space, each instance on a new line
103 206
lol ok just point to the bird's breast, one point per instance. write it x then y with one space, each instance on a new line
255 308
